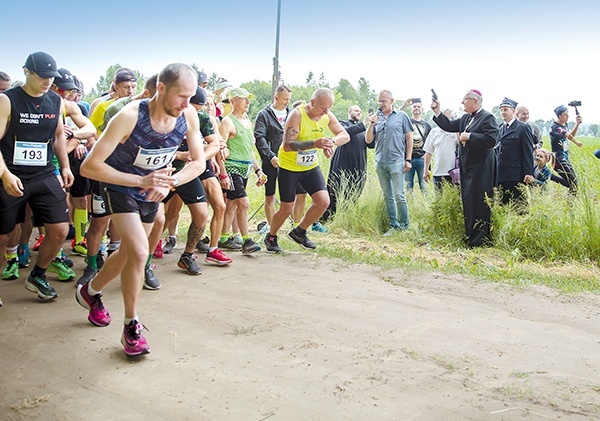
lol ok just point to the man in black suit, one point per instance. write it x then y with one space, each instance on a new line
348 170
516 154
478 135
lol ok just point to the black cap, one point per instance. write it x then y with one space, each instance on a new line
125 75
66 80
42 64
200 97
507 102
202 78
79 84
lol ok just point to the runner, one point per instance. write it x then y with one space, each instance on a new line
31 133
131 160
304 133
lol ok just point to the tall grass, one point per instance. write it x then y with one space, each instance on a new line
557 231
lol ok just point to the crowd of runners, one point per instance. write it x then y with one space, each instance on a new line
111 174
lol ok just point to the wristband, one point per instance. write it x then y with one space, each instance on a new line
408 160
257 170
223 176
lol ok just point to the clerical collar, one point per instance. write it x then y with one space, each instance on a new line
476 112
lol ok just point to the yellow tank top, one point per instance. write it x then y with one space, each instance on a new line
299 161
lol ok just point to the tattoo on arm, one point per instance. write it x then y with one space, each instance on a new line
294 144
193 235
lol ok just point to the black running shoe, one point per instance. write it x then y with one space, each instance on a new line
271 243
303 241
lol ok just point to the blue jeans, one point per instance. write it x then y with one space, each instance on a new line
391 180
418 168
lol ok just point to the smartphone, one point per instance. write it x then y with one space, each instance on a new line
371 110
433 95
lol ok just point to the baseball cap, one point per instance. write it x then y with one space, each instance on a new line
560 109
125 75
66 80
42 64
200 97
240 93
202 77
222 83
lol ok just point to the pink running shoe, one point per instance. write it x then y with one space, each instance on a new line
217 256
133 341
158 252
98 316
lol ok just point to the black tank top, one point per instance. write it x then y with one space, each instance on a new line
28 146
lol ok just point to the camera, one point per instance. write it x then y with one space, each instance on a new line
575 104
371 110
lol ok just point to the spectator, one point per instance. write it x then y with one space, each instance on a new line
442 146
560 135
392 133
478 135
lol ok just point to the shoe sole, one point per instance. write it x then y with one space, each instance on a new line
150 288
300 244
254 250
184 267
218 262
10 278
135 354
78 253
31 287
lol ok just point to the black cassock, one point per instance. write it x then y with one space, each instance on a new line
477 170
348 166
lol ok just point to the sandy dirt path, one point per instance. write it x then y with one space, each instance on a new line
296 337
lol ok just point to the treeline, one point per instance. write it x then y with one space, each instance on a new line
346 94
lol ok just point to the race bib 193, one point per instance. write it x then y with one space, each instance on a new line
30 153
153 159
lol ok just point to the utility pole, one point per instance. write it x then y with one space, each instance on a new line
276 75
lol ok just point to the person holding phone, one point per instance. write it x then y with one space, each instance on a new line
478 136
392 133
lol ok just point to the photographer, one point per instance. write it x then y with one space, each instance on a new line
559 139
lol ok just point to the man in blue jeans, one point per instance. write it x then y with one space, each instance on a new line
393 135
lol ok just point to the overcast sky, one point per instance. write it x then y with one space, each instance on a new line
539 53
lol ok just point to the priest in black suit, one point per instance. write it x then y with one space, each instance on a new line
478 135
516 154
348 169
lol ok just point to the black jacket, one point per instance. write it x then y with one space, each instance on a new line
516 152
268 133
477 170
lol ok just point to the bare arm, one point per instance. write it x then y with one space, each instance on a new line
340 135
11 183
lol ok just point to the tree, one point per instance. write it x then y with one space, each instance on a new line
346 90
594 130
262 92
367 98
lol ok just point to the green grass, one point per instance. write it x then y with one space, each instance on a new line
556 243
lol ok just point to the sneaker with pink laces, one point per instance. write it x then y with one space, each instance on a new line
133 341
217 256
98 316
158 252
